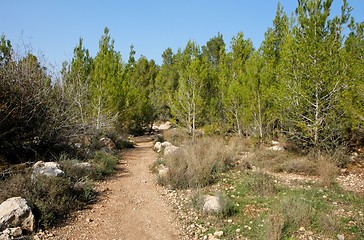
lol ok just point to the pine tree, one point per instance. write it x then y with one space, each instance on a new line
187 103
106 81
313 72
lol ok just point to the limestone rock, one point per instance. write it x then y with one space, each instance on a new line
157 147
166 144
49 169
169 149
16 212
211 204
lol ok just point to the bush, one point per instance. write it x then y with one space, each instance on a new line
298 165
104 164
176 136
197 163
288 216
260 184
228 208
52 197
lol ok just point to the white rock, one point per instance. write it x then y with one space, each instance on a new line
49 169
16 212
170 149
218 233
340 237
83 165
276 148
166 144
211 204
157 147
163 171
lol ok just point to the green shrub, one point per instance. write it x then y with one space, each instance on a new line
104 164
260 184
288 216
52 197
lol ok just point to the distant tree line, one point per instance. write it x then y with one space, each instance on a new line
304 84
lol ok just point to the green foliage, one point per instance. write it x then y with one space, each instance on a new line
314 75
52 197
104 164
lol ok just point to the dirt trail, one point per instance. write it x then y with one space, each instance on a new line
131 207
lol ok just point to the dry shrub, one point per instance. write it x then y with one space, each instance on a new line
197 163
288 216
176 136
298 165
327 170
269 159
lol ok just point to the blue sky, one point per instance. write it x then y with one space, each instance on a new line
52 27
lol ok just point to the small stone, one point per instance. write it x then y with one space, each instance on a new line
229 220
238 230
89 220
340 237
302 229
218 233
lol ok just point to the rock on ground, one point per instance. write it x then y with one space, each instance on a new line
49 169
211 204
16 212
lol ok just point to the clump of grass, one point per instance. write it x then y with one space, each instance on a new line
176 136
260 184
52 197
288 216
104 164
197 163
269 159
227 206
298 165
327 170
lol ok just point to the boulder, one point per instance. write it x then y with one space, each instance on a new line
166 144
169 149
211 204
11 233
49 169
157 147
107 144
16 212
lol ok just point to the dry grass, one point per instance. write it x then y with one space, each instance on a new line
176 136
197 163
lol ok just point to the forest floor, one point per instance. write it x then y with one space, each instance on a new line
130 205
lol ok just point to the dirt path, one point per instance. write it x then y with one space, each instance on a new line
131 207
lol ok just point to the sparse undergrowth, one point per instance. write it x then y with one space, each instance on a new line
259 206
197 163
54 198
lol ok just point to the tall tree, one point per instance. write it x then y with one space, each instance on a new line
76 78
166 84
262 71
106 81
187 102
233 83
212 54
313 72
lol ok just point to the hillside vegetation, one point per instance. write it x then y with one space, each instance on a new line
303 87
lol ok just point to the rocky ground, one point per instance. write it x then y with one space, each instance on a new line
130 206
133 206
